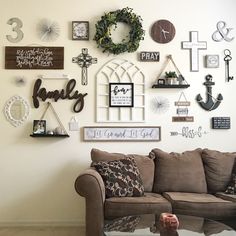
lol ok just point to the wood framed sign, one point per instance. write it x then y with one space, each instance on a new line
121 94
182 103
149 56
122 133
34 58
182 119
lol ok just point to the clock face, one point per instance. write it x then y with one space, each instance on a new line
163 31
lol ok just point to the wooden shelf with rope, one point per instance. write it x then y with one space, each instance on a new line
182 83
64 133
170 86
49 135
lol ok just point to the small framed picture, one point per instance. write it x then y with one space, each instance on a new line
212 61
161 82
121 94
80 30
39 127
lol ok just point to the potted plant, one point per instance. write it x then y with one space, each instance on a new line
171 77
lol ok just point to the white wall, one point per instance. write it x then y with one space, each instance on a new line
37 175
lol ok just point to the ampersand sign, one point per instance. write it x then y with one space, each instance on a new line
222 32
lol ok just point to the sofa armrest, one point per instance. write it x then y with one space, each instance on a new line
89 184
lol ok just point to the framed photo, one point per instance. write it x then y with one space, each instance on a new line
39 127
80 30
121 94
161 82
122 133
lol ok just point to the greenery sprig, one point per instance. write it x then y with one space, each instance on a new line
103 31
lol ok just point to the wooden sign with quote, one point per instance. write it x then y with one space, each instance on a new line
34 58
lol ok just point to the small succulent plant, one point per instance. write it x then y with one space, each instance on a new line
170 74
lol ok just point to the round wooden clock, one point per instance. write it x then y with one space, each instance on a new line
162 31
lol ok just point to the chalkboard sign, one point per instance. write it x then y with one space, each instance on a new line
34 58
220 122
145 133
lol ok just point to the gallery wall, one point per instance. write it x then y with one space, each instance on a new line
37 174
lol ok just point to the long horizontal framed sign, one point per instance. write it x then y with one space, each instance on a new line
122 133
34 58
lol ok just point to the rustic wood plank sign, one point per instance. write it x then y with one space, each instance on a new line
122 133
149 56
182 119
182 103
34 58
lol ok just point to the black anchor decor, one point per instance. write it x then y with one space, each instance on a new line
211 103
84 60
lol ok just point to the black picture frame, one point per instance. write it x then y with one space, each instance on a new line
121 94
80 30
39 127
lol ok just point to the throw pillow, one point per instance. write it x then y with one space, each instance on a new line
179 172
121 178
123 224
218 168
231 188
144 163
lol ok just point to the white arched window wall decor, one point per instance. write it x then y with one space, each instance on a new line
120 71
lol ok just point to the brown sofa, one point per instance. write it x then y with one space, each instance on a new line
188 183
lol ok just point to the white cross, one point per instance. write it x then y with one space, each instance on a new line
194 45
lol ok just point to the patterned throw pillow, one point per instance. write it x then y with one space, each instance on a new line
121 178
231 188
123 224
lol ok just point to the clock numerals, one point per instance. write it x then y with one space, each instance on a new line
17 29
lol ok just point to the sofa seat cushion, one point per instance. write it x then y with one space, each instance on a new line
179 172
200 204
144 163
148 204
228 197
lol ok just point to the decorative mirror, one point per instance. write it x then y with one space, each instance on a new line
16 110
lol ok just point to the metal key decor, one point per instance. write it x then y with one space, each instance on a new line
227 59
84 60
211 103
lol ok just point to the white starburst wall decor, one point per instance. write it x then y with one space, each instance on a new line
160 105
48 30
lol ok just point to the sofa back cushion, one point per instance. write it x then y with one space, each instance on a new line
179 172
145 164
218 169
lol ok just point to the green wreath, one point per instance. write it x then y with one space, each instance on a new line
103 31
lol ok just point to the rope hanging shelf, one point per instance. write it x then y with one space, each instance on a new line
64 135
161 83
